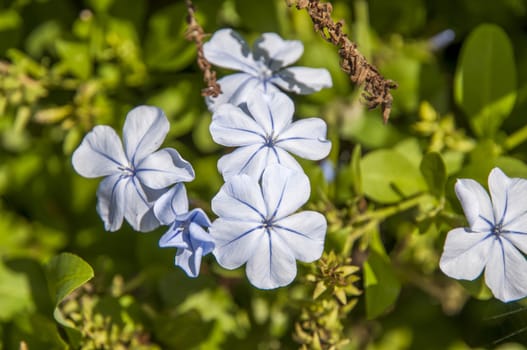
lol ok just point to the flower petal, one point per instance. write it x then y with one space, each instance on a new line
273 112
465 253
306 138
476 205
138 210
284 190
302 80
200 238
111 201
506 272
231 127
236 241
277 52
174 237
144 130
227 49
164 168
250 160
234 89
272 263
303 233
99 154
240 199
171 204
189 261
507 194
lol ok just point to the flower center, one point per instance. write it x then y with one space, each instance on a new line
264 72
496 230
269 141
127 170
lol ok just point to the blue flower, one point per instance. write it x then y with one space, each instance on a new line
192 241
266 135
134 176
256 225
496 239
262 69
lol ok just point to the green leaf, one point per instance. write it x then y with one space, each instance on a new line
485 80
434 171
388 176
67 272
381 285
15 293
75 58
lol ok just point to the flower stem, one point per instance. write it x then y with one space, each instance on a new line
517 138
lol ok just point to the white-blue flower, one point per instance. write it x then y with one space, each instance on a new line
266 135
496 239
135 175
187 233
262 69
256 225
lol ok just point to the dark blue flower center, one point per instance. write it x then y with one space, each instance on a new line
497 229
127 170
269 141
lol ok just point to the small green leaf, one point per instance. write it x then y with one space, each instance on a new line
15 293
485 80
388 176
67 272
434 171
75 58
356 176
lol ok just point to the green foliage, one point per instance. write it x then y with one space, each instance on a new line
66 66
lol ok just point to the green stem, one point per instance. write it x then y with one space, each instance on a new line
516 138
386 212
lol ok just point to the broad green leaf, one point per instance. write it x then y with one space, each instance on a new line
434 171
380 282
485 80
15 295
67 272
387 176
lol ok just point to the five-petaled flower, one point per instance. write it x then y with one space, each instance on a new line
265 136
192 241
256 225
135 175
496 239
262 69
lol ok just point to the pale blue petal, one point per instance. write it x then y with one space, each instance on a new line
231 127
200 238
284 190
234 89
189 261
196 215
508 194
303 233
174 237
518 239
306 138
138 210
99 154
273 112
272 263
240 199
227 49
465 253
144 130
506 272
302 80
279 156
476 205
236 241
277 52
171 203
164 168
250 160
111 201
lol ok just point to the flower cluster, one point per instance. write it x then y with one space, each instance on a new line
265 185
496 239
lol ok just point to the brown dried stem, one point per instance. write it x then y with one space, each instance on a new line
196 34
376 87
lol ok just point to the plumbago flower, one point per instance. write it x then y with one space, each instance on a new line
187 229
262 69
134 176
496 239
256 225
266 135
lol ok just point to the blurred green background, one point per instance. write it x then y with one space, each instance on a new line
459 110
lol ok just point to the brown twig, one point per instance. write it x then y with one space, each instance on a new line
376 87
196 34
